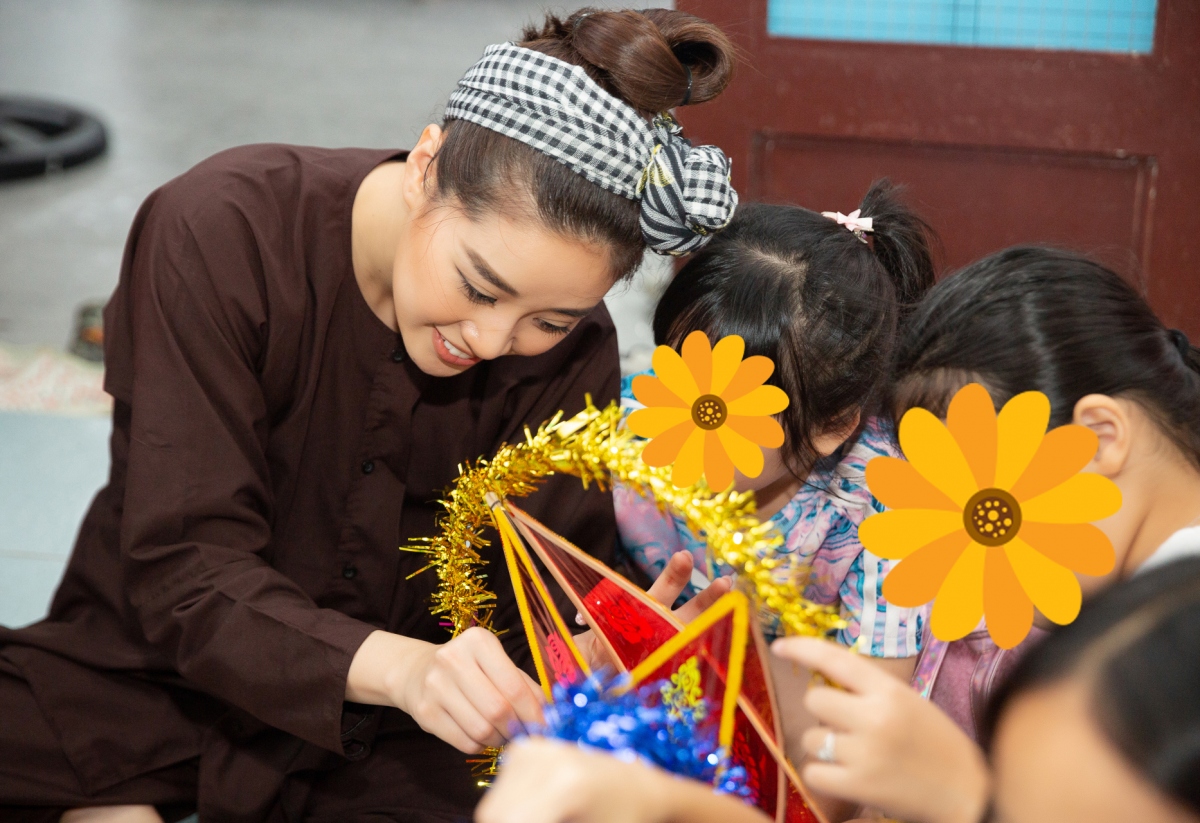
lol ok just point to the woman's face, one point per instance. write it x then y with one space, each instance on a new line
1051 764
476 289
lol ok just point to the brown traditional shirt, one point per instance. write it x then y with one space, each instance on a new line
272 447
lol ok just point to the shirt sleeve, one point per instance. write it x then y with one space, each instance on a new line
876 627
647 536
198 507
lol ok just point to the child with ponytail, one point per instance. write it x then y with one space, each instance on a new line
821 295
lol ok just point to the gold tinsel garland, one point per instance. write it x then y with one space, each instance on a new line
593 447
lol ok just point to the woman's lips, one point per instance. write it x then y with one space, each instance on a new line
450 354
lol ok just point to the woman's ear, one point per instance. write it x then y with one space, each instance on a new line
419 173
1109 419
827 442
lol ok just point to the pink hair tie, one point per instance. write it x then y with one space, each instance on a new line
859 225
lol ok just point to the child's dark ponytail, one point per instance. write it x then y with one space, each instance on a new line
821 300
901 240
1035 319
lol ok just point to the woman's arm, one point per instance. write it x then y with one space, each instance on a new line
891 749
548 781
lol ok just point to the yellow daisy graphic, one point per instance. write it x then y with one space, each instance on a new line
990 515
707 411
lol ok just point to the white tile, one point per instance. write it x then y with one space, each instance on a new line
26 585
50 469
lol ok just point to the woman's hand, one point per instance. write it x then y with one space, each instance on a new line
467 692
891 749
665 590
549 781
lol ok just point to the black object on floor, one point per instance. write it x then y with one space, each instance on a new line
38 136
88 340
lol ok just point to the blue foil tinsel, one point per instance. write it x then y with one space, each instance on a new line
598 714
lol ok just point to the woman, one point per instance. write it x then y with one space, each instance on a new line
303 346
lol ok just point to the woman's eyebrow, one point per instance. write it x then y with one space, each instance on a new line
485 271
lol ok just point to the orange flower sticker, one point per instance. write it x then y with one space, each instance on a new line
990 516
708 411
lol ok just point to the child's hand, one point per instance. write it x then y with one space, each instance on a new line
665 590
548 781
467 692
890 748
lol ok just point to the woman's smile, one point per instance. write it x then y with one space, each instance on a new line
451 354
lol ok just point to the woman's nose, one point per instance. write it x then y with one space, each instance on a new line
488 342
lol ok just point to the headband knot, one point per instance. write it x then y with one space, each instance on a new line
859 225
685 191
553 106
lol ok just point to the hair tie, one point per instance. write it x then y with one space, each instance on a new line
583 16
687 95
1182 344
859 225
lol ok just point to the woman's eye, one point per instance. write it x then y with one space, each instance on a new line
475 295
551 328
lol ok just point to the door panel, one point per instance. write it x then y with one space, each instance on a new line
1006 197
1093 150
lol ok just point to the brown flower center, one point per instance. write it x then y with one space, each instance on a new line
709 412
992 517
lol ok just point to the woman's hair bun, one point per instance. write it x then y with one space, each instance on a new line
646 58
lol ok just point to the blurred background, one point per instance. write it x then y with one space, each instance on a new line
1071 122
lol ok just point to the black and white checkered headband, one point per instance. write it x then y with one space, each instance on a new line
554 107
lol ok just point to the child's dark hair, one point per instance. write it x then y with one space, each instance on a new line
811 295
1137 650
1029 319
649 59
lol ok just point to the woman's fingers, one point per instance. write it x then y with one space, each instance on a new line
502 693
516 688
837 663
483 692
440 722
465 714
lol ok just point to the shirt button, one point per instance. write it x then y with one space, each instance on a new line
398 356
368 466
349 571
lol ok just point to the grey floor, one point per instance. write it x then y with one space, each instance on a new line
176 81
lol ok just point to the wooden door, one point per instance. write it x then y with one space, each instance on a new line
1096 151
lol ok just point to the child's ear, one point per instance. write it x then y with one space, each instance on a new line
828 441
1109 419
419 174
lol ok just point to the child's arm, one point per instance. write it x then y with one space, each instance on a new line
548 781
891 749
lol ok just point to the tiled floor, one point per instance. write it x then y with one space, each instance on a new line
177 81
50 468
